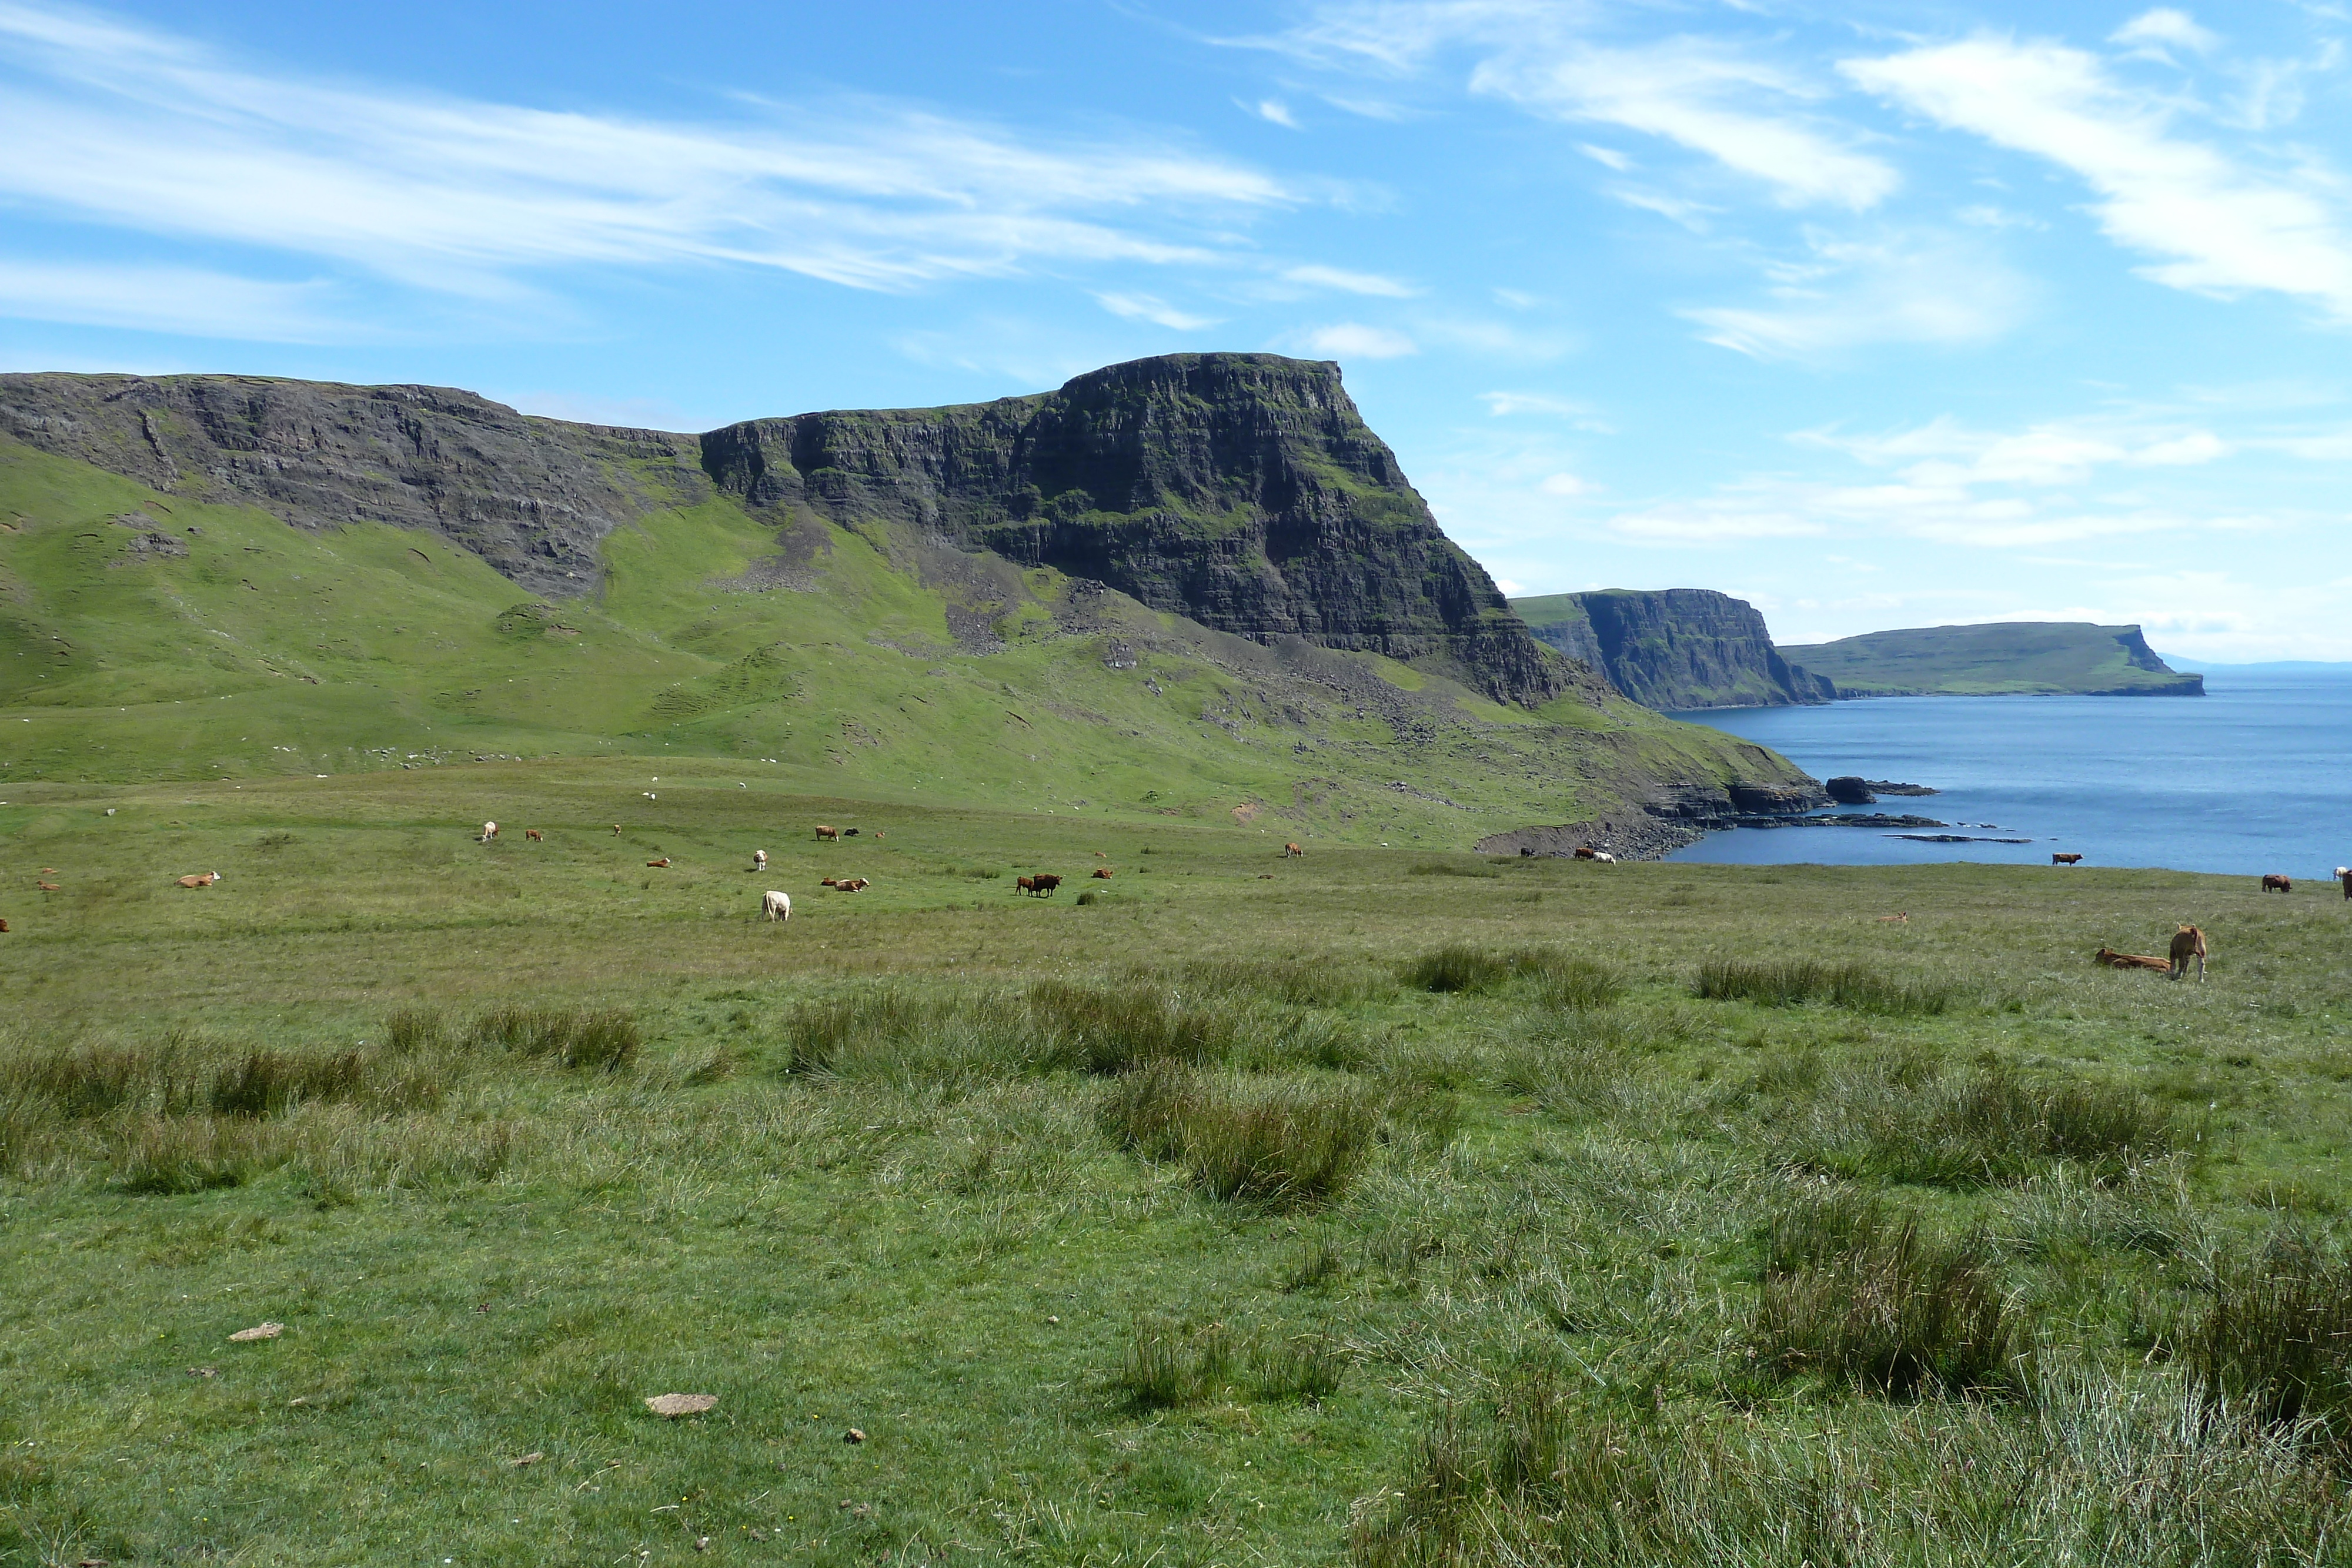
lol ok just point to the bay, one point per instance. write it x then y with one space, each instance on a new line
2253 776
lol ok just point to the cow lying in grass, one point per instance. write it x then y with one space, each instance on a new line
206 880
2115 961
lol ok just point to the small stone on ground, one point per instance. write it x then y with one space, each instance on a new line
675 1404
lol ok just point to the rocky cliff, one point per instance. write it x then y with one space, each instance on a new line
1242 491
1674 648
2019 657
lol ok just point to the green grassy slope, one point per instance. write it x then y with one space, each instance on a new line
1560 1307
2015 657
196 641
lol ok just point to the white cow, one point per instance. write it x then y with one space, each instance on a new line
490 831
1605 857
776 906
759 860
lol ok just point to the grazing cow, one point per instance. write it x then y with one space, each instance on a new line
660 863
616 830
1024 884
1602 857
490 831
759 860
824 833
534 835
2273 883
2065 860
1291 851
1047 882
2115 961
776 906
1586 852
2188 943
206 880
1103 871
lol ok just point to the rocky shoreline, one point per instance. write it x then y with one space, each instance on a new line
1685 816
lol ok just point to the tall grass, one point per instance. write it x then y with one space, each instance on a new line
2090 1470
2275 1342
1169 1364
1863 1297
1562 978
607 1039
1275 1143
1900 1121
1790 982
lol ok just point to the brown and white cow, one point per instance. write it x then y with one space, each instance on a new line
1103 871
490 831
1291 851
660 863
534 835
759 860
824 833
206 880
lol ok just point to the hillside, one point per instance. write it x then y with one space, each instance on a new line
1673 648
1251 615
2043 657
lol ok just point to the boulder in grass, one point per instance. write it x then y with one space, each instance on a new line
258 1331
672 1406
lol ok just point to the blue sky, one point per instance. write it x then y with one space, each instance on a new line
1876 314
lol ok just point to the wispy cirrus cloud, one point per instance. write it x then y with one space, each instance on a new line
128 127
187 300
1913 287
2219 225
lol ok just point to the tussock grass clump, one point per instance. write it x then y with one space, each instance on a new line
1865 1298
1577 984
1900 1121
1275 1143
1786 983
606 1038
411 1030
1563 979
1458 967
2090 1471
1169 1364
189 1154
2275 1344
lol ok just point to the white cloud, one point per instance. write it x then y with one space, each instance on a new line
139 128
1608 157
1275 110
1354 340
2154 30
1567 486
1692 522
1692 215
190 301
2225 229
1920 287
1734 108
2198 447
1504 404
1148 307
1371 283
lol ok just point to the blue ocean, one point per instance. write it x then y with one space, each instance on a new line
2253 776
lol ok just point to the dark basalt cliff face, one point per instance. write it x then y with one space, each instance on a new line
1244 491
1674 648
531 497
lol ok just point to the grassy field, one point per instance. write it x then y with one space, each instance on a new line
2013 658
1386 1206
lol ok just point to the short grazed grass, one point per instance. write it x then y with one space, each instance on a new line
1350 1215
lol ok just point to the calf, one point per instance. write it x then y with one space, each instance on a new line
849 833
776 906
759 860
2115 961
534 835
824 833
660 863
490 831
2065 860
2188 943
206 880
2273 883
1024 883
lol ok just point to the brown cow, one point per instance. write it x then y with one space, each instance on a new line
3 925
1024 883
2188 943
534 835
1904 919
824 833
1042 884
1103 871
2273 883
1586 852
854 884
659 863
206 880
2344 875
1291 851
2065 860
2115 961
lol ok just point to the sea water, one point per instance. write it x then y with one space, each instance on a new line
2253 776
